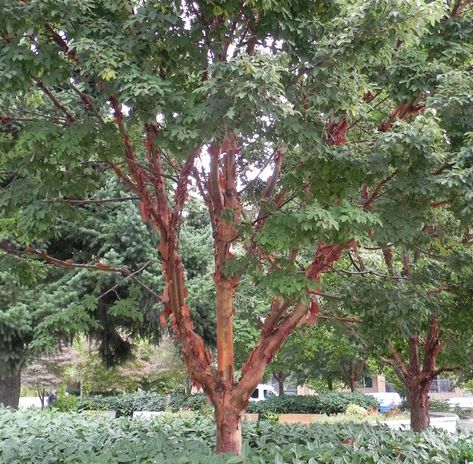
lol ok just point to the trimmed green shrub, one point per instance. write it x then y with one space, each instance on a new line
49 437
324 403
66 403
124 405
439 406
463 413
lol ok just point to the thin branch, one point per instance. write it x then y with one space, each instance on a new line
252 181
368 271
398 361
128 277
89 201
377 190
88 104
351 320
53 98
71 54
12 249
438 204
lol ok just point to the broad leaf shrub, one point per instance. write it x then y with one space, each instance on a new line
35 437
463 413
439 406
124 405
325 403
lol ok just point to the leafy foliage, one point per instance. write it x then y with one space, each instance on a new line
323 403
32 438
124 405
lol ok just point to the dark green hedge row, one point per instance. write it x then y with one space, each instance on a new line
325 403
124 405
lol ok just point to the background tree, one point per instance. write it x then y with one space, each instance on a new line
46 373
111 308
323 356
156 368
415 309
311 91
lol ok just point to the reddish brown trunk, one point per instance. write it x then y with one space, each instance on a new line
224 302
417 377
419 404
228 422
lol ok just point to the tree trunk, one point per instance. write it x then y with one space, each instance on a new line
352 384
281 386
42 396
419 404
228 421
280 377
330 383
188 385
10 388
352 376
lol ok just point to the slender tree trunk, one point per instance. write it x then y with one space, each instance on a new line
42 395
10 388
352 384
419 404
228 422
352 377
280 377
188 385
281 386
330 383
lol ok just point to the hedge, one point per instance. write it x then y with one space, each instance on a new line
124 405
325 403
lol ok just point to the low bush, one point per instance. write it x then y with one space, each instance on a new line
49 437
65 403
463 413
124 405
439 406
324 403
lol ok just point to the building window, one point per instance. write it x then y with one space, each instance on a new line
441 386
368 382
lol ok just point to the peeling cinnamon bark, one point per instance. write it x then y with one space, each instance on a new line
418 374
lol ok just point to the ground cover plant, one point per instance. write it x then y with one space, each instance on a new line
31 437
